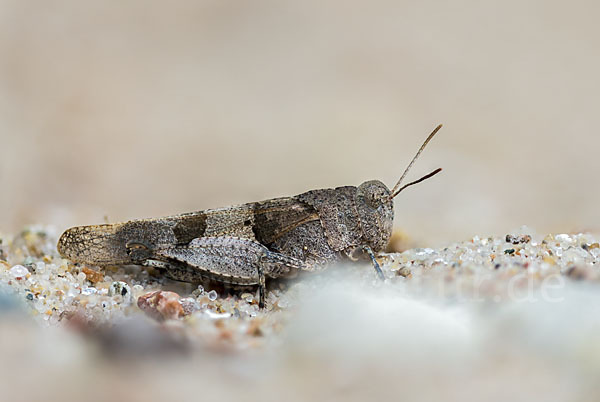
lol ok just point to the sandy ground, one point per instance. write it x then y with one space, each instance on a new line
490 318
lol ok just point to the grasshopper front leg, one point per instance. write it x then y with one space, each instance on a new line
371 255
350 253
227 259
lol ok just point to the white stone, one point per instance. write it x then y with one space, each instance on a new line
212 295
19 271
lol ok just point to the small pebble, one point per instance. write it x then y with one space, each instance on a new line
89 291
190 305
137 290
81 277
161 305
19 272
92 276
119 288
212 295
524 238
563 237
122 289
404 272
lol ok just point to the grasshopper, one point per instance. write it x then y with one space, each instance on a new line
245 244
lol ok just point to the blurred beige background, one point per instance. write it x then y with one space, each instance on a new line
145 108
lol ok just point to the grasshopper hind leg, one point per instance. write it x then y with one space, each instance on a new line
262 288
227 259
180 272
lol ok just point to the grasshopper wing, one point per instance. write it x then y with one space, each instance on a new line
134 241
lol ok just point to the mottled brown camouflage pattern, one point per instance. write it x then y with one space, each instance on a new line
232 244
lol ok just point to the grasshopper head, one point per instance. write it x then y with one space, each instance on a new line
376 213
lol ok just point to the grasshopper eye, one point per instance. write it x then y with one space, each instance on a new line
374 197
373 200
373 194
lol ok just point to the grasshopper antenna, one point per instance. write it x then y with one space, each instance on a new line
427 176
396 190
